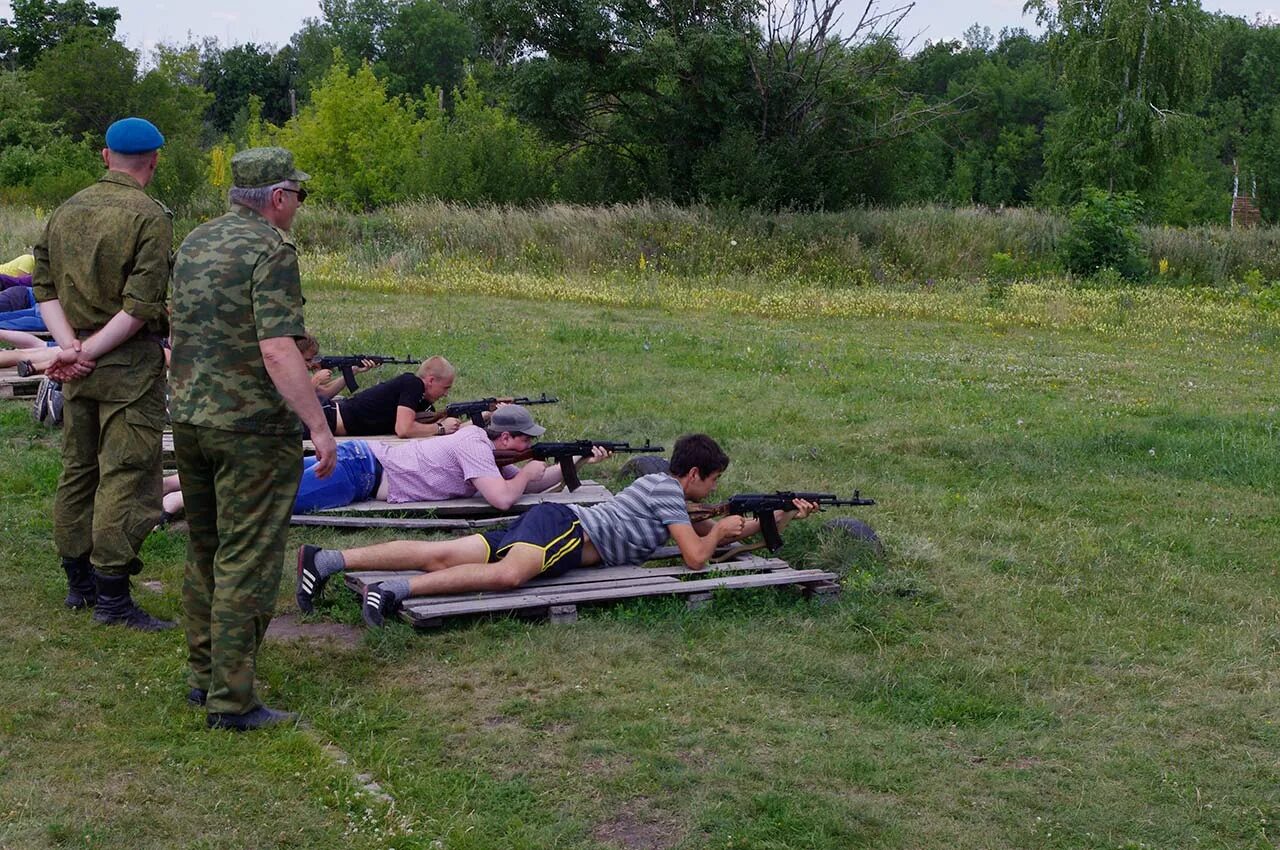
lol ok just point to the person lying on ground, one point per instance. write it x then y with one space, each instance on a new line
322 380
459 466
549 539
392 407
17 272
18 310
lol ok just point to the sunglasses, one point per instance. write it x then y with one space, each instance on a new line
301 193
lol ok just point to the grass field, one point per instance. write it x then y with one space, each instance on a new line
1071 642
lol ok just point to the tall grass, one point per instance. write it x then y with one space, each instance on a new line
902 247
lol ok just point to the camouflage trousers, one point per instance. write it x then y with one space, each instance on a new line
108 497
239 490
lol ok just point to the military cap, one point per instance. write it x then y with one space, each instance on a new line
258 167
134 135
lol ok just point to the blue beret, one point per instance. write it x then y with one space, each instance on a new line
134 135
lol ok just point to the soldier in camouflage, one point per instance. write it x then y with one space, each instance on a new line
101 274
235 376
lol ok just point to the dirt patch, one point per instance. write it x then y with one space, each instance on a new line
636 827
287 627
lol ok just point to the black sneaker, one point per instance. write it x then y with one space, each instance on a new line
310 583
26 369
379 603
260 718
197 697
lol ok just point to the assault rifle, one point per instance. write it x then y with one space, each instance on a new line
478 408
564 453
762 506
346 363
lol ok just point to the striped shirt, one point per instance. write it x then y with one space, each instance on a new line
439 468
628 528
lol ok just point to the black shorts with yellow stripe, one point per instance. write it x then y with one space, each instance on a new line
552 528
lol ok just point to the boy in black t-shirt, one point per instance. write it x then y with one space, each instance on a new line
392 407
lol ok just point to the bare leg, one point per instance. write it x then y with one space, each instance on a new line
522 563
417 555
40 357
20 339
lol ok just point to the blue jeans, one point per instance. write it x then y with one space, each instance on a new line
354 479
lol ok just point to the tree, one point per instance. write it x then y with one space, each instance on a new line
1134 72
170 96
22 120
232 75
39 25
360 145
86 82
424 45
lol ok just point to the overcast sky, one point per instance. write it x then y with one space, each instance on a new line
144 23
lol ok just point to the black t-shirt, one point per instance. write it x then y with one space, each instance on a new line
372 412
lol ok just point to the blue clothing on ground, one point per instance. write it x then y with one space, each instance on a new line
354 479
18 310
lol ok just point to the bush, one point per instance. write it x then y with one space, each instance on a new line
1102 233
360 145
48 175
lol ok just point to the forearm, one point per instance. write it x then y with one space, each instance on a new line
752 526
56 321
332 388
551 476
699 552
114 333
288 371
417 429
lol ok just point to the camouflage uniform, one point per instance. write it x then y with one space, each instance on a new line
105 250
238 446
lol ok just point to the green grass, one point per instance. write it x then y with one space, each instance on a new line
1071 641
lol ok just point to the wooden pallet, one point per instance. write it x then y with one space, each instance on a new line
474 512
12 385
558 598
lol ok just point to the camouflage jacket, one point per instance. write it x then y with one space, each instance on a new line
105 250
235 282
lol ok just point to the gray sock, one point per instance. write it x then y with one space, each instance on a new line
397 587
329 561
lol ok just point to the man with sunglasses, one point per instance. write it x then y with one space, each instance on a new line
239 386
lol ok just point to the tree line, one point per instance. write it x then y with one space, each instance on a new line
751 103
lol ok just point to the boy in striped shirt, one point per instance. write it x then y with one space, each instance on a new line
549 539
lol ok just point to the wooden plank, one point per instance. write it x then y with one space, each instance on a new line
639 581
587 575
563 615
590 493
418 523
424 608
19 390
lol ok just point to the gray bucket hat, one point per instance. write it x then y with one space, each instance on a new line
515 419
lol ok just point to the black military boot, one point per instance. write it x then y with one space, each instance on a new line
82 592
116 605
